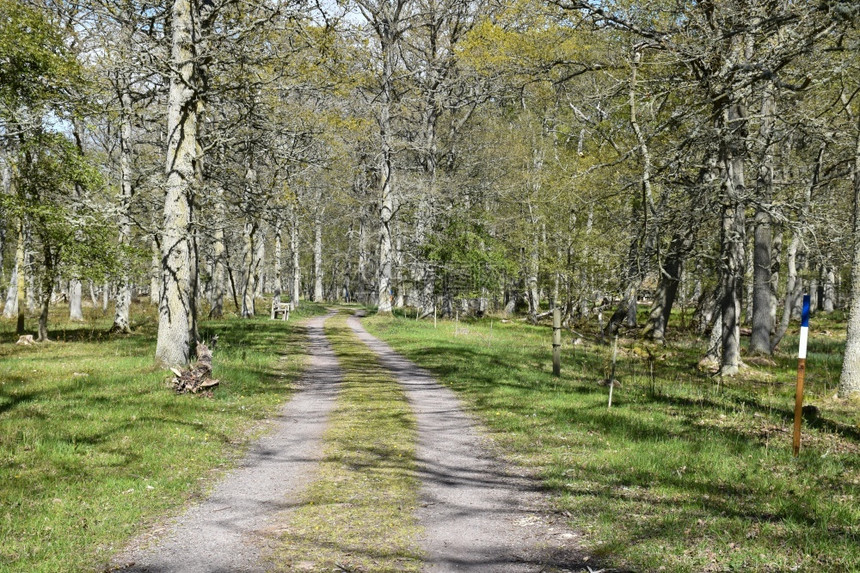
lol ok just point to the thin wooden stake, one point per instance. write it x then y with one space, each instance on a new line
612 376
556 342
801 373
434 316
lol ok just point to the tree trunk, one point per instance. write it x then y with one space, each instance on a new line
216 300
20 264
154 273
667 287
75 292
733 237
10 310
279 253
175 324
849 380
296 288
386 172
828 304
318 277
762 291
248 274
47 291
361 271
259 265
122 310
794 286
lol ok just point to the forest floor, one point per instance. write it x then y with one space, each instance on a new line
367 463
686 471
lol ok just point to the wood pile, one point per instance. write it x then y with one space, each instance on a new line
198 378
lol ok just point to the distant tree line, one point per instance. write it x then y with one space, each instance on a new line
446 155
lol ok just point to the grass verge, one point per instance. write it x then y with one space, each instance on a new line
685 472
94 444
358 514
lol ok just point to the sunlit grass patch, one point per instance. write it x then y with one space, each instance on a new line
358 514
686 472
94 443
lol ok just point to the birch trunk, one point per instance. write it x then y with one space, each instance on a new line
175 324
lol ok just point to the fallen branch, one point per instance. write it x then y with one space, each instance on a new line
196 379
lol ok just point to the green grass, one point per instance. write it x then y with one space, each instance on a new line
686 472
358 514
94 444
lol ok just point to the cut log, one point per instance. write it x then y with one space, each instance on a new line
26 340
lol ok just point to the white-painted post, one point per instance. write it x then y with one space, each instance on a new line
801 372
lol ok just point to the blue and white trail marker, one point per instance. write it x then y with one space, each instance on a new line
801 372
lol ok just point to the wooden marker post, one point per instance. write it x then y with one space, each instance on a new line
556 342
801 372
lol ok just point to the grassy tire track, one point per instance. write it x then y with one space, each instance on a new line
358 515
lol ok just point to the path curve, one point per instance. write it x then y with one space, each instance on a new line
478 515
222 534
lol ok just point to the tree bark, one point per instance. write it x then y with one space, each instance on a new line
154 273
318 250
176 323
122 310
20 264
849 380
296 287
279 253
387 31
829 302
762 295
248 274
216 300
47 291
10 309
76 312
667 287
361 286
733 236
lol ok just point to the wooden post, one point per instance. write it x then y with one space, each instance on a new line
556 342
801 372
612 375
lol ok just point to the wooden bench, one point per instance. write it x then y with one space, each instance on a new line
282 308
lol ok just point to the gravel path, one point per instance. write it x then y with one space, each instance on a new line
478 514
223 533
